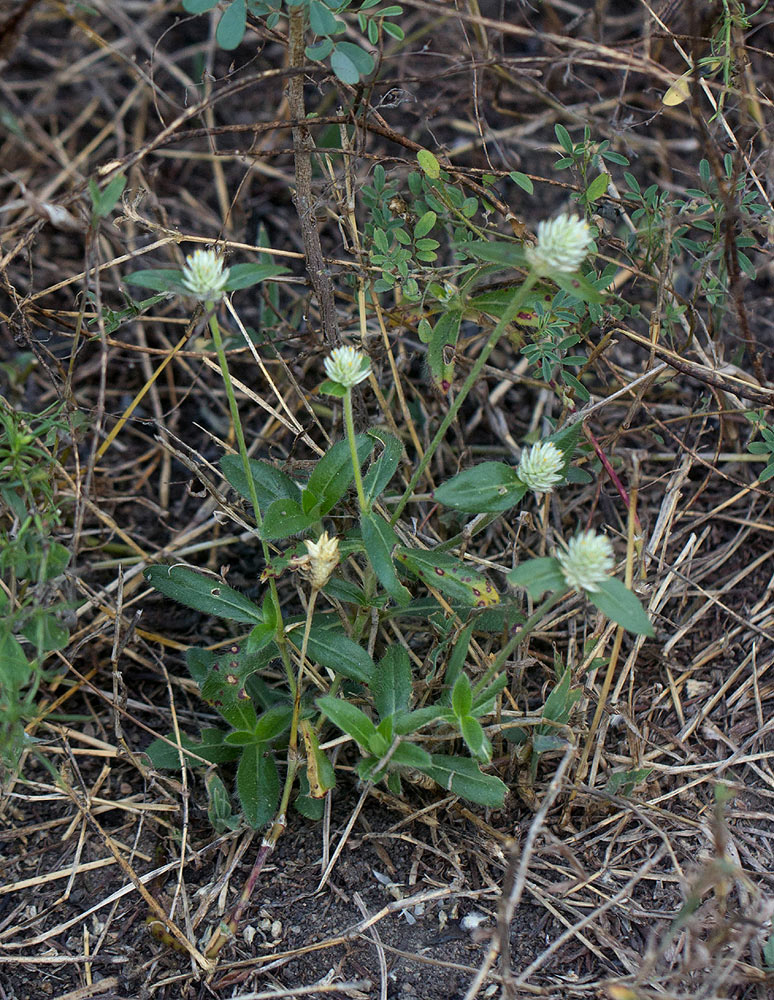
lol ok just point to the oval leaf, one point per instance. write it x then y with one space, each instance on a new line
621 606
258 786
537 576
429 164
246 275
232 25
452 577
380 540
203 593
463 777
348 718
331 648
491 487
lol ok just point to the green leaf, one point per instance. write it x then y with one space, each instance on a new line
104 201
363 60
453 578
522 180
566 440
199 662
287 517
247 275
56 558
333 474
348 718
310 808
224 686
410 755
462 696
483 703
346 592
203 593
391 683
160 279
491 487
15 669
537 576
559 703
219 805
321 20
232 25
463 777
332 648
429 164
258 786
459 654
564 138
475 738
211 747
270 484
380 541
624 782
328 388
273 723
240 738
597 188
444 334
199 6
319 52
578 286
621 606
425 225
504 254
495 301
410 722
45 632
344 66
383 469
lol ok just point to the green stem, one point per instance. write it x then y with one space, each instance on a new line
240 439
510 312
349 423
499 661
232 405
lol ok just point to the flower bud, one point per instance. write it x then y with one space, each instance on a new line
323 559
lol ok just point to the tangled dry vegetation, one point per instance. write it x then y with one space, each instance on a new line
637 863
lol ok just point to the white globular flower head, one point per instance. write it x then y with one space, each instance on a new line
204 275
347 366
561 245
540 468
586 560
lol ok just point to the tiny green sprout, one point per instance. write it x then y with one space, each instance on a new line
586 561
204 275
347 366
561 245
540 468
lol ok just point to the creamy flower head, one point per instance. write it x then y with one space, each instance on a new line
347 366
204 275
586 560
323 558
561 245
540 468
